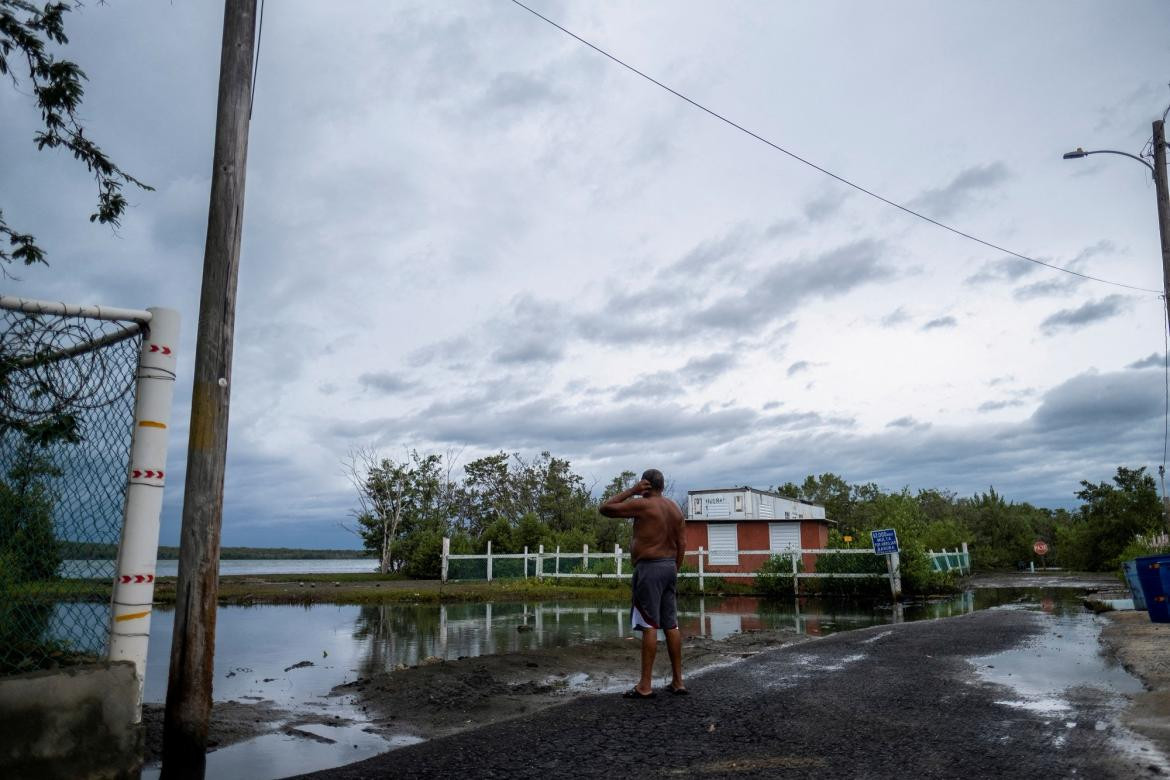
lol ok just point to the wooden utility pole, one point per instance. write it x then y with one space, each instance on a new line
193 645
1164 232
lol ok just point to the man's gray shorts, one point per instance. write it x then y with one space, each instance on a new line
654 585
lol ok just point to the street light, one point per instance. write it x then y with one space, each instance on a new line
1079 152
1158 171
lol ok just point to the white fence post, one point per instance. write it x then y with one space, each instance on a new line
700 570
446 552
133 596
894 562
795 571
539 561
489 560
526 572
557 565
617 558
619 562
966 558
585 559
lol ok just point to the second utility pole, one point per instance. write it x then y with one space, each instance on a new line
193 644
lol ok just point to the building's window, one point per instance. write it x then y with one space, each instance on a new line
787 515
698 505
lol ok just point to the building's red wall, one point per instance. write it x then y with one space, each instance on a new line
753 535
813 536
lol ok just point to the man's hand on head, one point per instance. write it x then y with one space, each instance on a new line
642 487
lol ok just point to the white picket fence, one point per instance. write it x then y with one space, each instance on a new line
958 560
542 562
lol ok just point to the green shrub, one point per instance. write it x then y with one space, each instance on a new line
774 577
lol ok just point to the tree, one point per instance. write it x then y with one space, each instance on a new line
29 550
26 33
395 497
1110 518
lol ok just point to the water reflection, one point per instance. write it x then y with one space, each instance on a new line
395 635
254 645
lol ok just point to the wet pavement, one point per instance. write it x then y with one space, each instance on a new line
1016 691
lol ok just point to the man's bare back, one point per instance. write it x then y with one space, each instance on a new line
659 527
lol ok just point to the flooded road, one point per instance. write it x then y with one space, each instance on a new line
292 657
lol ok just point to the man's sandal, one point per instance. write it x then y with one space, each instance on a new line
634 693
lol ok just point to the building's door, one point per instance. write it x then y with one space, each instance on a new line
723 538
783 536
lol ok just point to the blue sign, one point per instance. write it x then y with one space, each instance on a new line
885 541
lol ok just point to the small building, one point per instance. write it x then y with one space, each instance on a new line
725 520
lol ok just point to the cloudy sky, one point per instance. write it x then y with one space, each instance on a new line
467 231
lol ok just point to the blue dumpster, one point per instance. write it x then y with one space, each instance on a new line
1135 585
1151 572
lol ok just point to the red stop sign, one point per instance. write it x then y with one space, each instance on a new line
1040 547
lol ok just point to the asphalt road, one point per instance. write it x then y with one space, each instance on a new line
889 701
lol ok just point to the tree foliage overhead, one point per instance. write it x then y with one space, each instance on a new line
28 35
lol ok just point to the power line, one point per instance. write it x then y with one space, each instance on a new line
825 171
256 62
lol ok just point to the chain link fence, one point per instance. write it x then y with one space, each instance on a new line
67 387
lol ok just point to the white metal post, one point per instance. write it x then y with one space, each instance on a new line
133 595
585 558
617 558
525 565
619 562
894 563
446 552
489 560
539 561
966 558
700 568
557 564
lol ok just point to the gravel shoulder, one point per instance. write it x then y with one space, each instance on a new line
1143 649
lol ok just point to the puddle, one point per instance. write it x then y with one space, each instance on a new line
305 748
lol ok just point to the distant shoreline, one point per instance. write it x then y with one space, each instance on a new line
108 552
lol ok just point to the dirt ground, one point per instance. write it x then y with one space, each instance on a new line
445 697
1143 648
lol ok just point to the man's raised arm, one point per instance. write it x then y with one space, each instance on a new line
621 506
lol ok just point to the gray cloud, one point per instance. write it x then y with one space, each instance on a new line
825 205
1095 401
662 384
1056 287
832 274
906 422
515 91
992 406
1152 360
798 366
386 383
961 191
1085 314
1007 269
531 350
701 370
897 317
941 322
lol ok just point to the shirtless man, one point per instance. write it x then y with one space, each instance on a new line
659 544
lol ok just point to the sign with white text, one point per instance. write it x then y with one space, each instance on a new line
885 541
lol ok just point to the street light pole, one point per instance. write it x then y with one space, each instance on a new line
1158 171
1163 207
